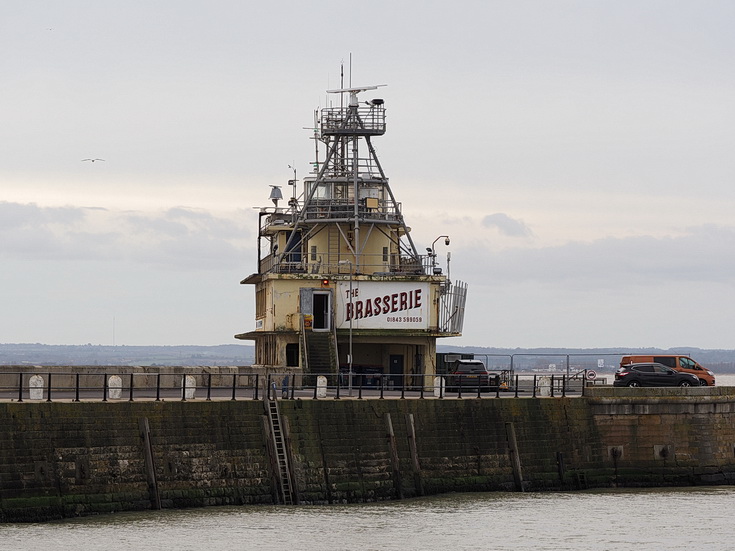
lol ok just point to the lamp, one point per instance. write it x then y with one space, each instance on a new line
433 252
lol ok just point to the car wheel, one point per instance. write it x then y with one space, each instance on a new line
685 383
702 382
634 383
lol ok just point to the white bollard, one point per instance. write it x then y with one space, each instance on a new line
321 386
191 384
114 387
439 390
35 387
544 386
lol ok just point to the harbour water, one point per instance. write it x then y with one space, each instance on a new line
669 518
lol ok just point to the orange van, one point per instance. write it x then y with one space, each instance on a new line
680 363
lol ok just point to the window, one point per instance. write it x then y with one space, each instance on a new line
260 303
313 252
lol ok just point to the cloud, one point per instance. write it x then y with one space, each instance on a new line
180 238
701 254
507 225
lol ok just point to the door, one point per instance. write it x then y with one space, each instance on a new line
396 370
321 311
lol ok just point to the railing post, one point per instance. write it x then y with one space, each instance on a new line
497 386
459 387
104 388
403 387
534 386
479 386
256 393
382 385
359 389
234 384
552 385
76 392
48 394
130 399
516 387
339 376
158 387
20 386
183 387
209 388
563 386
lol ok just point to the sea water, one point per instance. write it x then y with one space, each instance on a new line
641 520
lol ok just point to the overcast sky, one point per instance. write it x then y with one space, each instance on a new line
580 154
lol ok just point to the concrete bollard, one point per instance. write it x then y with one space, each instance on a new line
114 387
321 386
190 384
439 387
544 386
35 387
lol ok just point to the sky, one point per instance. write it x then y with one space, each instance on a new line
580 155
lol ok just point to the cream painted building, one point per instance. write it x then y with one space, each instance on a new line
340 284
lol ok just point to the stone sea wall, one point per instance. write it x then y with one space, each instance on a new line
63 459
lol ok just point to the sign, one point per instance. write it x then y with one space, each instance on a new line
383 305
600 363
591 375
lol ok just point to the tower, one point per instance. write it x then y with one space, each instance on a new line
340 284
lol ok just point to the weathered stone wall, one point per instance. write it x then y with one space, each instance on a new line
63 459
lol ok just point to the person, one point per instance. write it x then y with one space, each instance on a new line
284 387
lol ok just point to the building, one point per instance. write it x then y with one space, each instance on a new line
340 284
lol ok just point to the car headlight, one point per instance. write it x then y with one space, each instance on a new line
710 373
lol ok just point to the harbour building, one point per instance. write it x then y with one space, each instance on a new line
340 284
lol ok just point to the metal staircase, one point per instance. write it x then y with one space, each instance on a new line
321 349
285 477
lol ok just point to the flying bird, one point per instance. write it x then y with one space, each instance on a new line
93 160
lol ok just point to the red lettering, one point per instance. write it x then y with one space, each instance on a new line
368 309
394 302
349 311
417 302
358 310
386 304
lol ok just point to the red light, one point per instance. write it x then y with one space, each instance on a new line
325 283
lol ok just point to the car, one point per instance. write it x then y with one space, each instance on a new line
653 374
678 362
471 375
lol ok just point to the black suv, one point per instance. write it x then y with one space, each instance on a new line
653 374
471 375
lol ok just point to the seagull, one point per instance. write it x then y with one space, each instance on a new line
93 160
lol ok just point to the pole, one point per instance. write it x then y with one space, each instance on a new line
352 315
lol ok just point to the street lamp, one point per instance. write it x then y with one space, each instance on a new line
433 252
352 315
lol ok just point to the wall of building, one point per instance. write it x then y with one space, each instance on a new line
65 459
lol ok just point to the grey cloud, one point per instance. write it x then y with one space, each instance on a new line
178 238
506 225
703 254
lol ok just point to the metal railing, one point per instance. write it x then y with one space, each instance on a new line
56 386
75 387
